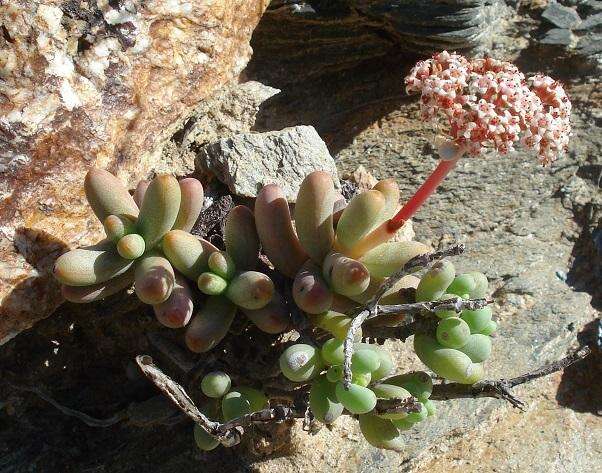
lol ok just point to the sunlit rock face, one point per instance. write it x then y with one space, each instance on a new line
103 83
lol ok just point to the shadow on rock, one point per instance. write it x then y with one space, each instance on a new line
580 387
83 358
339 75
37 252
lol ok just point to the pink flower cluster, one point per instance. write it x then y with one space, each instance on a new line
485 103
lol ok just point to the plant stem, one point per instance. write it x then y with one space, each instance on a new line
387 229
422 194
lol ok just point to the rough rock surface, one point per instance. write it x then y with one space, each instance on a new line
580 48
561 16
559 36
419 26
231 110
248 161
364 44
94 83
590 22
590 45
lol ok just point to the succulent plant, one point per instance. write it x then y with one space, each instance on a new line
323 258
132 252
372 367
225 402
148 245
339 260
229 279
459 345
332 271
331 265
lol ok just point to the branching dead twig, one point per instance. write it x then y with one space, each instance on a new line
371 308
457 305
397 406
501 389
415 324
230 433
180 398
401 332
273 414
281 413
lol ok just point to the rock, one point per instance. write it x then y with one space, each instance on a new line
362 178
428 27
558 36
248 161
561 16
572 3
95 83
590 22
229 111
595 5
589 45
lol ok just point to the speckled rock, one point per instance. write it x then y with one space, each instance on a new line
248 161
590 45
558 36
231 110
95 83
591 21
561 16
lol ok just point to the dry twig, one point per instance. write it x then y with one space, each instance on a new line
371 308
501 389
230 433
178 396
400 332
274 414
457 305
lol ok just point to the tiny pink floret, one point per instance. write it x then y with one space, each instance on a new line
486 103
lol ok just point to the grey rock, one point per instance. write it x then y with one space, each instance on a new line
428 26
112 102
559 36
233 110
595 5
573 3
590 45
590 22
248 161
561 16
